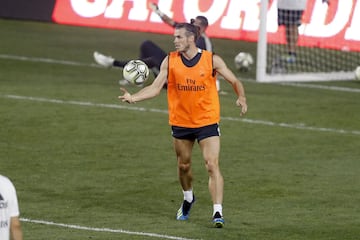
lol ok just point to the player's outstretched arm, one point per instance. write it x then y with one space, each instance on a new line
166 19
149 91
229 76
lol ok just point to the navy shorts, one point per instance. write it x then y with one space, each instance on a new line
289 17
195 133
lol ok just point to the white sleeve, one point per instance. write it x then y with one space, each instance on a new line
13 204
10 195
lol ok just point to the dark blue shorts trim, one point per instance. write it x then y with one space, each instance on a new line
195 133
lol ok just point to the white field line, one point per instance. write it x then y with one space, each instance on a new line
300 126
47 60
251 121
332 88
108 230
72 63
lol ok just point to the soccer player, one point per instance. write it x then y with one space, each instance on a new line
9 211
194 111
152 54
289 15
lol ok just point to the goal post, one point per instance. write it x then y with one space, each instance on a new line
317 58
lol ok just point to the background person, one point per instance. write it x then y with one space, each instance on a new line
150 53
290 14
194 111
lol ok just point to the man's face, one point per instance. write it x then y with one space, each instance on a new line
181 41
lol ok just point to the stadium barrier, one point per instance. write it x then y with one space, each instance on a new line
233 19
37 10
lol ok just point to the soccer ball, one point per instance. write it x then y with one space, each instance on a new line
243 61
136 72
357 73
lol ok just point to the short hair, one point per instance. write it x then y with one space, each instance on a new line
191 30
203 21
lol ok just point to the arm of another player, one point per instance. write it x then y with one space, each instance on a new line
15 228
166 19
149 91
229 76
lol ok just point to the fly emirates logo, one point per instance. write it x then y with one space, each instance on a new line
235 19
190 86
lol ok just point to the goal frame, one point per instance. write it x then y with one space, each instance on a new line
263 76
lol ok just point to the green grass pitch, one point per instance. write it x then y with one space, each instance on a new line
90 167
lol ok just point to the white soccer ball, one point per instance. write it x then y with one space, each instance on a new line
243 61
357 73
136 72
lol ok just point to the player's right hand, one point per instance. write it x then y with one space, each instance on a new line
126 97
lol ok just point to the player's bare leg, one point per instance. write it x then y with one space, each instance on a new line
292 36
210 148
183 149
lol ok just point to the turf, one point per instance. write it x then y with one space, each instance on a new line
80 157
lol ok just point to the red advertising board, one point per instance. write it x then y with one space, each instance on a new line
334 26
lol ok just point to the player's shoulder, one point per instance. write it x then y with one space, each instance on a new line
165 62
4 178
216 56
6 182
218 61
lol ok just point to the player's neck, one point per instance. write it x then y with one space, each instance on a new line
191 52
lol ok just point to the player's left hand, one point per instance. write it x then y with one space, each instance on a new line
153 6
126 97
241 102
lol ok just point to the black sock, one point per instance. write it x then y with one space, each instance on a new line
118 63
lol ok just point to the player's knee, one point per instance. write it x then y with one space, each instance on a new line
184 167
212 166
146 44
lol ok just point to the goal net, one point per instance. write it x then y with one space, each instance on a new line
327 48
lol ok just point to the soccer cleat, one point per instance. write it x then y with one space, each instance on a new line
103 60
184 210
123 82
218 220
288 58
291 59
